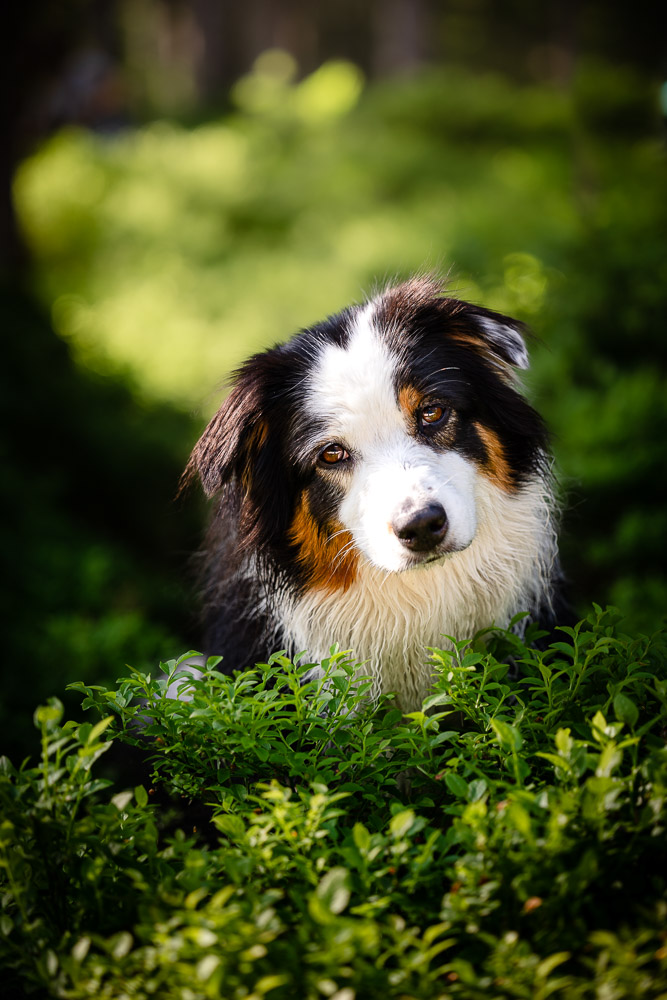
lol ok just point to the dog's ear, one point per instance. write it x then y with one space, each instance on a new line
243 444
228 447
502 335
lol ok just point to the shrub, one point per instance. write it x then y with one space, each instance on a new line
507 840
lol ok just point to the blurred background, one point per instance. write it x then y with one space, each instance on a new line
186 181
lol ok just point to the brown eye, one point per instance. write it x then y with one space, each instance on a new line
433 414
333 453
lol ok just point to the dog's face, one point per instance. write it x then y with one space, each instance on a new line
371 436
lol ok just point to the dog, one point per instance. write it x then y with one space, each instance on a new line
380 483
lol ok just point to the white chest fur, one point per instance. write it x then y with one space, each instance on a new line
388 620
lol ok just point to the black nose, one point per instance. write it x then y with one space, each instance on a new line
421 530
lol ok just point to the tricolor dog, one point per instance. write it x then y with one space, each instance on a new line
380 482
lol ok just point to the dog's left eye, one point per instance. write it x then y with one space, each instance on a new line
432 415
333 453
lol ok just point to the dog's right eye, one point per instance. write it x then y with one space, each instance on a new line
333 454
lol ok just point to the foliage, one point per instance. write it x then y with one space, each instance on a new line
92 563
171 251
506 840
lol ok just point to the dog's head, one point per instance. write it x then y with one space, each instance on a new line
369 436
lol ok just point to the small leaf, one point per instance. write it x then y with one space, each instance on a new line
476 789
49 715
121 944
626 710
80 949
361 836
99 728
564 741
401 823
231 825
554 759
563 647
206 966
508 737
519 818
141 795
83 733
456 784
122 800
599 726
439 698
334 891
547 965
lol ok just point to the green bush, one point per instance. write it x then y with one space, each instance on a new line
93 563
171 251
505 841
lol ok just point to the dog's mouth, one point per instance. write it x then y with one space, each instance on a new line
424 560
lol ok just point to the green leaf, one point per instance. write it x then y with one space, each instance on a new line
564 741
547 965
231 825
456 784
81 948
554 759
439 698
626 710
121 944
476 789
83 733
401 823
361 837
563 647
599 726
519 818
141 795
122 800
49 715
508 736
99 728
333 892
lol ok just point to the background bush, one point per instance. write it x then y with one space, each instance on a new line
167 235
168 253
196 212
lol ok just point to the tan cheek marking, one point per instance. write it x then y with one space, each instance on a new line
328 567
496 467
408 400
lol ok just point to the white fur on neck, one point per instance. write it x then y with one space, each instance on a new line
389 620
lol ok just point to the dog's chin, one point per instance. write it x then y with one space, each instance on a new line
426 560
412 561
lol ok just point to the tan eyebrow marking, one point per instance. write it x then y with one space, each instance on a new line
408 399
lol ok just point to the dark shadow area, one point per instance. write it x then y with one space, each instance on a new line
95 553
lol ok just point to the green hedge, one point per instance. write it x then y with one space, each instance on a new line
506 841
167 253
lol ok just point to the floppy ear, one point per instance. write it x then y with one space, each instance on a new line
503 335
227 448
243 445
